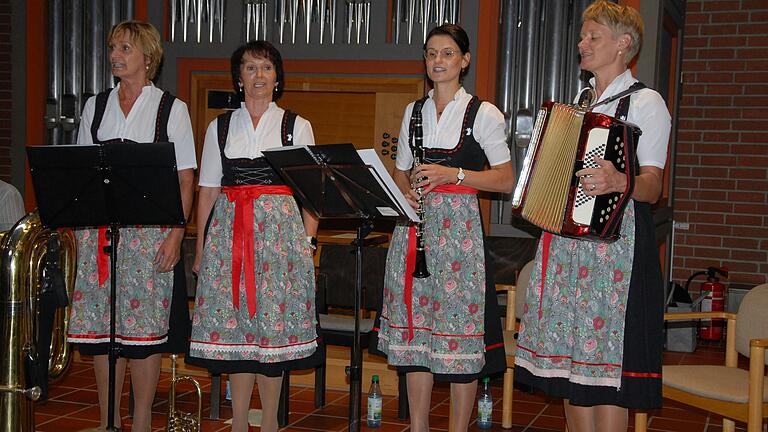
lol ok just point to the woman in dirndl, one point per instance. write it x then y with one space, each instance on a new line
151 301
254 316
591 331
446 327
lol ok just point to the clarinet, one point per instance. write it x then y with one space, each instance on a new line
417 147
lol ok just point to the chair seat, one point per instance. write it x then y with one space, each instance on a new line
344 323
510 343
714 382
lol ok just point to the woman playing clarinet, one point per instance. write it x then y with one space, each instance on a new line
255 307
442 324
591 331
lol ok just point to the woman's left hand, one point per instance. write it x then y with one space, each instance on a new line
432 175
168 254
601 180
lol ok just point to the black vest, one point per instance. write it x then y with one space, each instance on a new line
244 171
161 120
467 153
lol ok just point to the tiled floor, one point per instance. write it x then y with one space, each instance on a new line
72 406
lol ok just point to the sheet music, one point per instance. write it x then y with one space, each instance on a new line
370 157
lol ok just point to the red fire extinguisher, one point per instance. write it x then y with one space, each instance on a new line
714 300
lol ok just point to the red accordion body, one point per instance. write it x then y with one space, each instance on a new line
566 139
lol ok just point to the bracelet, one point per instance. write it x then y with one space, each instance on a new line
312 242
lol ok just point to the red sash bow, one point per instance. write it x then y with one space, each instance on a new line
242 238
102 257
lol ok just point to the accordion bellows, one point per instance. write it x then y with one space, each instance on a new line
566 139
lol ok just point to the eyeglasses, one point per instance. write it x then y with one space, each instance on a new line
433 54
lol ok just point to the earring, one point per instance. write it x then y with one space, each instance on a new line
619 52
146 67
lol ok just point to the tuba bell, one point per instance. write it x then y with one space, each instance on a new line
180 421
24 261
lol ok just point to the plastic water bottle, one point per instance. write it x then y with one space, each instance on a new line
227 392
485 406
374 403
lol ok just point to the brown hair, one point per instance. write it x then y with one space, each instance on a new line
621 20
146 37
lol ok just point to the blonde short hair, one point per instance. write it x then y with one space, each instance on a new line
147 38
621 20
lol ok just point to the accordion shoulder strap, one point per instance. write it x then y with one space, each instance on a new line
632 89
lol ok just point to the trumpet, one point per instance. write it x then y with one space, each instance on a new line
180 421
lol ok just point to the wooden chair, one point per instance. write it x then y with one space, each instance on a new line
514 308
734 393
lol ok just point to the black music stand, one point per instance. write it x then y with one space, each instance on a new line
333 182
115 185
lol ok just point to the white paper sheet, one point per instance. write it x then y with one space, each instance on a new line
370 157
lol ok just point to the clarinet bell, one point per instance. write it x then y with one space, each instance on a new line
420 271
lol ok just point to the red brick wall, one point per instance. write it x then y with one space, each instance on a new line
721 185
5 90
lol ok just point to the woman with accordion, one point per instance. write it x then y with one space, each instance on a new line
439 321
591 331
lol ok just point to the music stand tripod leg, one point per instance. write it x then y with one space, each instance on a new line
114 237
355 367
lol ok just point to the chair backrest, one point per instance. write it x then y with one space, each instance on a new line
337 276
521 288
507 255
752 319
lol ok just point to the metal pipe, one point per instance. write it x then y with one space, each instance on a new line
425 12
128 9
411 14
552 51
333 20
294 19
73 71
55 73
211 7
264 21
308 6
397 16
93 46
322 11
184 18
367 13
248 7
172 23
199 18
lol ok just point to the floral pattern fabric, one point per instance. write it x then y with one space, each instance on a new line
143 295
284 325
573 323
447 307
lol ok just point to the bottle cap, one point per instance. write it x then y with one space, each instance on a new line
486 380
375 378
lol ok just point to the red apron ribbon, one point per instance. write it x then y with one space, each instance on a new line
410 256
102 257
242 238
546 241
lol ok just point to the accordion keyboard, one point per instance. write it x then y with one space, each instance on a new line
583 205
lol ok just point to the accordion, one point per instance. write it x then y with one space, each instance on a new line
564 140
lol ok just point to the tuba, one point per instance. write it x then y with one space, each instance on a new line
23 258
180 421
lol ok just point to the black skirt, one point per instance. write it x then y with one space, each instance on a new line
179 327
643 335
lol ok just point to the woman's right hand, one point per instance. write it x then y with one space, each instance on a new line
196 265
412 198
